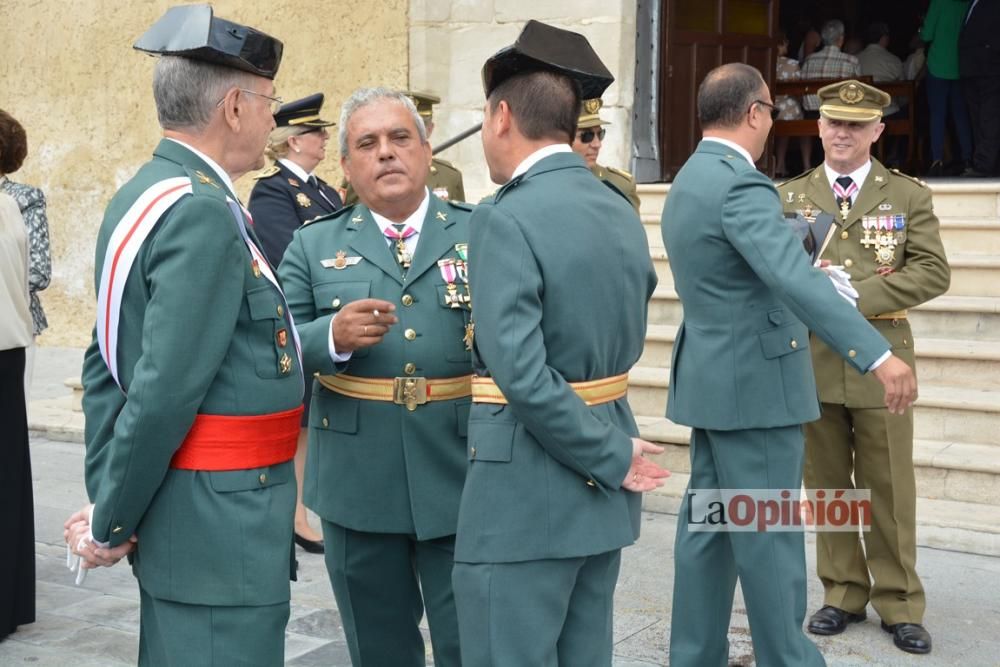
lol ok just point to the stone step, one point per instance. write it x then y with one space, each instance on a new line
942 412
952 200
960 471
960 363
959 235
971 275
953 317
967 527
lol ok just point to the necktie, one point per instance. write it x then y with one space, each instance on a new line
313 182
844 188
397 233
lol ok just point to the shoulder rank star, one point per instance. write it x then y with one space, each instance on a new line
303 200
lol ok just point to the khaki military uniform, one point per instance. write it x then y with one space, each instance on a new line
889 243
622 181
444 180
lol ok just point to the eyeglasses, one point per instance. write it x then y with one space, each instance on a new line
773 110
586 136
276 102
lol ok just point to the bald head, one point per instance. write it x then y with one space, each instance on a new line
726 93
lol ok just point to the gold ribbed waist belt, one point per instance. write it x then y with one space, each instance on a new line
408 391
593 392
894 315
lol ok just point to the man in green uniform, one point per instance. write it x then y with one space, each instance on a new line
379 291
885 235
443 179
551 494
742 378
193 384
587 144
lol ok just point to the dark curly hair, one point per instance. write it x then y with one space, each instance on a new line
13 144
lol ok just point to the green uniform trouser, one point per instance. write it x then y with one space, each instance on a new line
877 446
542 613
771 566
174 634
383 582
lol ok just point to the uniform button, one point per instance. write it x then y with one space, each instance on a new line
263 478
281 310
794 344
591 482
410 368
407 300
905 342
844 234
852 354
473 451
326 422
848 263
335 303
409 334
117 529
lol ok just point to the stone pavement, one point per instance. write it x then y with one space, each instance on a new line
97 624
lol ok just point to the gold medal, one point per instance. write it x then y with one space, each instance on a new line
303 200
470 334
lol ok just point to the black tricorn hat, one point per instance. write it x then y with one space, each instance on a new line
302 113
191 31
544 47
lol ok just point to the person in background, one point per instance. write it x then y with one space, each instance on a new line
587 144
979 69
944 93
17 562
789 108
31 202
287 195
828 63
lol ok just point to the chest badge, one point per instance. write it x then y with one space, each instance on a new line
303 200
885 206
340 262
441 193
292 182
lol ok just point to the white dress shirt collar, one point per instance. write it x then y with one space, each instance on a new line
858 175
219 171
295 169
416 219
542 153
735 146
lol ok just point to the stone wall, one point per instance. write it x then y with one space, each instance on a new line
451 39
84 96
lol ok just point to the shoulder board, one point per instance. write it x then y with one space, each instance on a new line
444 165
620 172
464 206
897 172
266 173
804 174
329 216
439 161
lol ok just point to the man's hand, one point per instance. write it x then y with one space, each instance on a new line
362 323
80 543
643 474
900 384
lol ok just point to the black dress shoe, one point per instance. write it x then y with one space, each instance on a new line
909 637
312 546
832 621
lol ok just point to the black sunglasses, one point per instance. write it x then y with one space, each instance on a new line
774 111
586 136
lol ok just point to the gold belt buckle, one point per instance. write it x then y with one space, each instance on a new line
409 391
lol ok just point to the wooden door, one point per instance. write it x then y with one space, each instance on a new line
699 35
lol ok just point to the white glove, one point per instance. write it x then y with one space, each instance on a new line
842 283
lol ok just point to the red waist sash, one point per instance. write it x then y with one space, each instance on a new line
229 442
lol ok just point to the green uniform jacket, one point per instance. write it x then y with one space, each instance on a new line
919 268
740 358
375 466
444 180
622 180
198 334
559 295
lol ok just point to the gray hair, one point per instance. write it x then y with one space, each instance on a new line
187 91
832 31
362 97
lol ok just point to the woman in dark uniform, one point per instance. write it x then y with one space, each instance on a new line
287 194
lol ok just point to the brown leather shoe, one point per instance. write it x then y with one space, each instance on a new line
909 637
832 621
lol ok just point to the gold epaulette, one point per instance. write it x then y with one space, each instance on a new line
620 172
270 171
916 180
